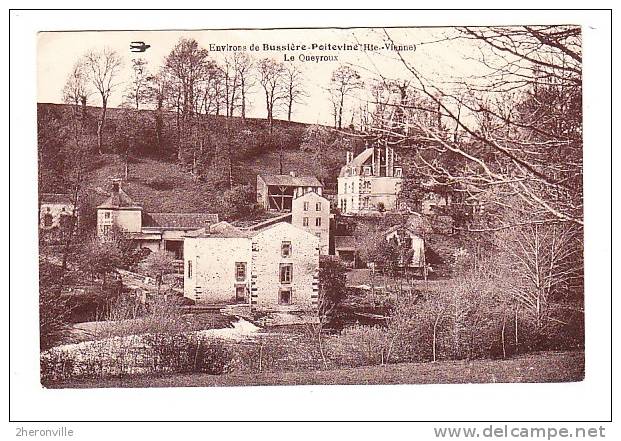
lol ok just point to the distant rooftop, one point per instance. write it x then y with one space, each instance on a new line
179 220
220 229
291 181
119 199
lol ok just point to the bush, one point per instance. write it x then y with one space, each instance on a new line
211 356
358 345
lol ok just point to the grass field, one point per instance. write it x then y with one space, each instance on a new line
533 368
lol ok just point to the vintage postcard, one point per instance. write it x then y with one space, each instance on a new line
322 206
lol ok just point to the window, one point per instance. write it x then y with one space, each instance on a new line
240 271
318 206
305 206
189 269
407 243
284 296
367 170
47 220
318 234
398 172
285 249
286 272
305 222
255 246
318 222
240 293
106 230
106 215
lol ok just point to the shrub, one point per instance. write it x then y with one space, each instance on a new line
358 345
211 356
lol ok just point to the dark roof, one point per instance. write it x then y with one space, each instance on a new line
357 162
55 198
291 181
180 220
344 242
119 199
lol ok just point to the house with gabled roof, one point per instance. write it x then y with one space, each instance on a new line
277 192
370 182
272 268
155 231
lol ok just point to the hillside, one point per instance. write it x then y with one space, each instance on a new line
157 179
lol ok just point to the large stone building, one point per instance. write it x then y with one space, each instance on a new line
277 192
272 268
155 231
370 182
311 212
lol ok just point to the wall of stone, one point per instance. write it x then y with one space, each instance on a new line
213 268
266 260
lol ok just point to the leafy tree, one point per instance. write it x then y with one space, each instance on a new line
53 307
332 287
239 201
101 258
158 264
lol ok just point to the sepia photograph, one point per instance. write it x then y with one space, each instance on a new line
326 206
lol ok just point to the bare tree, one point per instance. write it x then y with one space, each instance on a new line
243 67
103 69
76 93
293 87
137 90
344 81
516 129
271 78
231 84
188 66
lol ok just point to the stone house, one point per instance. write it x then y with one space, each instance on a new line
370 182
155 231
274 268
311 212
277 192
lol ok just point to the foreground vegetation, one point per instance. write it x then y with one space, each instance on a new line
535 368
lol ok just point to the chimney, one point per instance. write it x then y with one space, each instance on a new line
116 185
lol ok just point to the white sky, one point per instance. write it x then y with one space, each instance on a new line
57 52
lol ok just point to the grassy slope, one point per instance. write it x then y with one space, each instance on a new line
183 193
532 368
